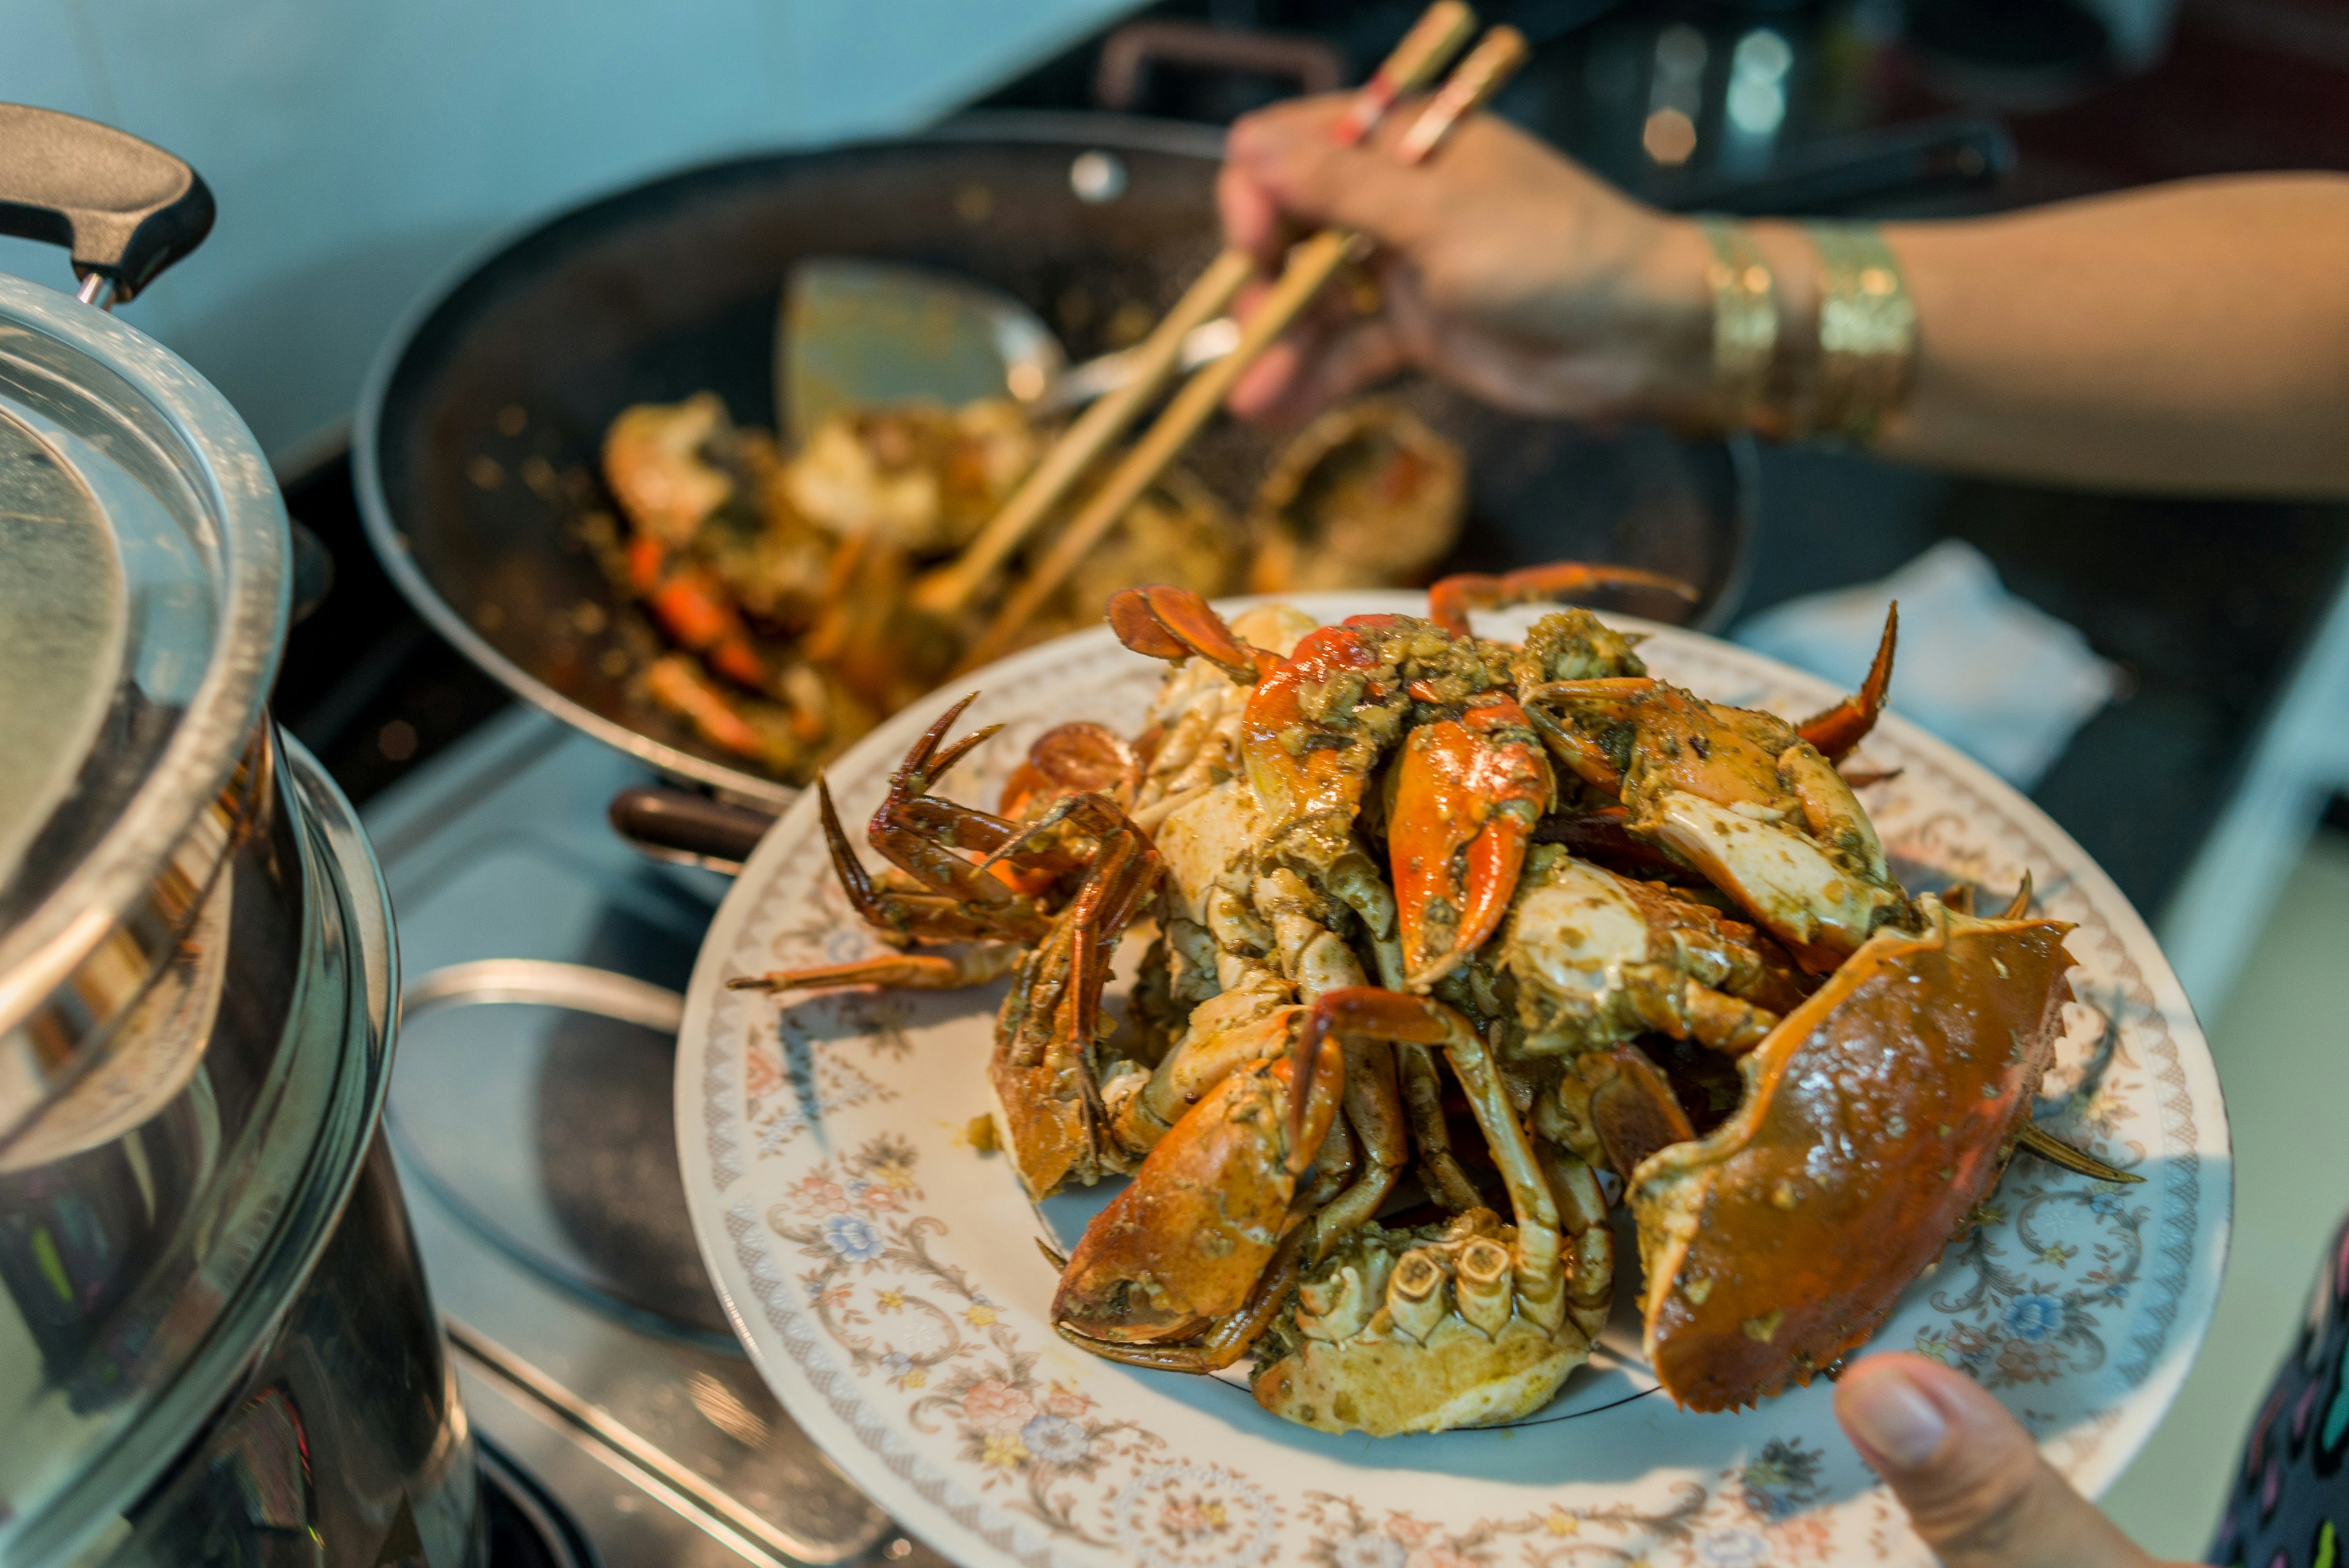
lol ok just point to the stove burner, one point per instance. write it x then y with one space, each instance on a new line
526 1528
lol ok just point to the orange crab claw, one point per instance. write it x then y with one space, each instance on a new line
1167 622
1187 1242
1468 794
1451 599
1836 731
1290 783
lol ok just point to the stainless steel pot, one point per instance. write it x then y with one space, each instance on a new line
215 1344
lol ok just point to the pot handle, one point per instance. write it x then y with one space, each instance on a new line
540 983
126 208
1129 53
685 828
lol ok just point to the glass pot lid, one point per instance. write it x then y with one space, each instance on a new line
143 605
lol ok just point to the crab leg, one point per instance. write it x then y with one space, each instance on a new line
2038 1140
1373 1105
1422 1095
977 965
919 835
1470 791
1625 1101
1836 731
1451 599
1370 1014
1047 1097
917 917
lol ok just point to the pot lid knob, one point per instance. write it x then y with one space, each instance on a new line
126 208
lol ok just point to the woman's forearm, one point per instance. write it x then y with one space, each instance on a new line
2184 337
2189 336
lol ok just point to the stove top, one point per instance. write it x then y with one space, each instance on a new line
535 1142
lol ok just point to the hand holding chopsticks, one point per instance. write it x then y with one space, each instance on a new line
1425 51
1309 266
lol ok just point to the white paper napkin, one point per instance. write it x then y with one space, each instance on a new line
1992 674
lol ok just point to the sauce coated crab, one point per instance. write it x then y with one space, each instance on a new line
1391 866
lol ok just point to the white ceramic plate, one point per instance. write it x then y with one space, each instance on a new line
885 1275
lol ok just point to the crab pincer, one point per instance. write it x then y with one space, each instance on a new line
1469 794
1837 730
1167 622
1189 1242
1451 599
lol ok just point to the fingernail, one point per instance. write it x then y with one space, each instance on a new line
1891 1415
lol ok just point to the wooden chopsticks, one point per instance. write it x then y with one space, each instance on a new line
1310 265
1425 51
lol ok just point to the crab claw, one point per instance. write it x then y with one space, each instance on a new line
1877 1115
1167 622
1187 1242
1836 731
1467 797
1451 599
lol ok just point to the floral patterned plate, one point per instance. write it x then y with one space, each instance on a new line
886 1277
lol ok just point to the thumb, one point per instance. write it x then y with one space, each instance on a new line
1972 1481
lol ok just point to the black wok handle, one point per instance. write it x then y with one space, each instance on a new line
126 208
678 825
1934 157
1129 53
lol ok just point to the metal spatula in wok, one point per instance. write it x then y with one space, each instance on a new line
854 332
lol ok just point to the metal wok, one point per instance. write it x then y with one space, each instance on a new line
478 432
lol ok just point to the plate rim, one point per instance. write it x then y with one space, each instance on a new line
921 1507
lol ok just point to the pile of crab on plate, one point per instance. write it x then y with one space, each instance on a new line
1452 946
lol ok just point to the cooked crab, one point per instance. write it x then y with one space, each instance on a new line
1367 497
1269 1110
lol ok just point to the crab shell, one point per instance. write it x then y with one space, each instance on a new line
1354 1366
1877 1115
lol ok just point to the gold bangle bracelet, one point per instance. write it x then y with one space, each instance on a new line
1867 331
1744 322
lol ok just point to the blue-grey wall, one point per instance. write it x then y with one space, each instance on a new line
356 148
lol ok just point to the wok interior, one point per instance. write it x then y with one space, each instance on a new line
490 427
